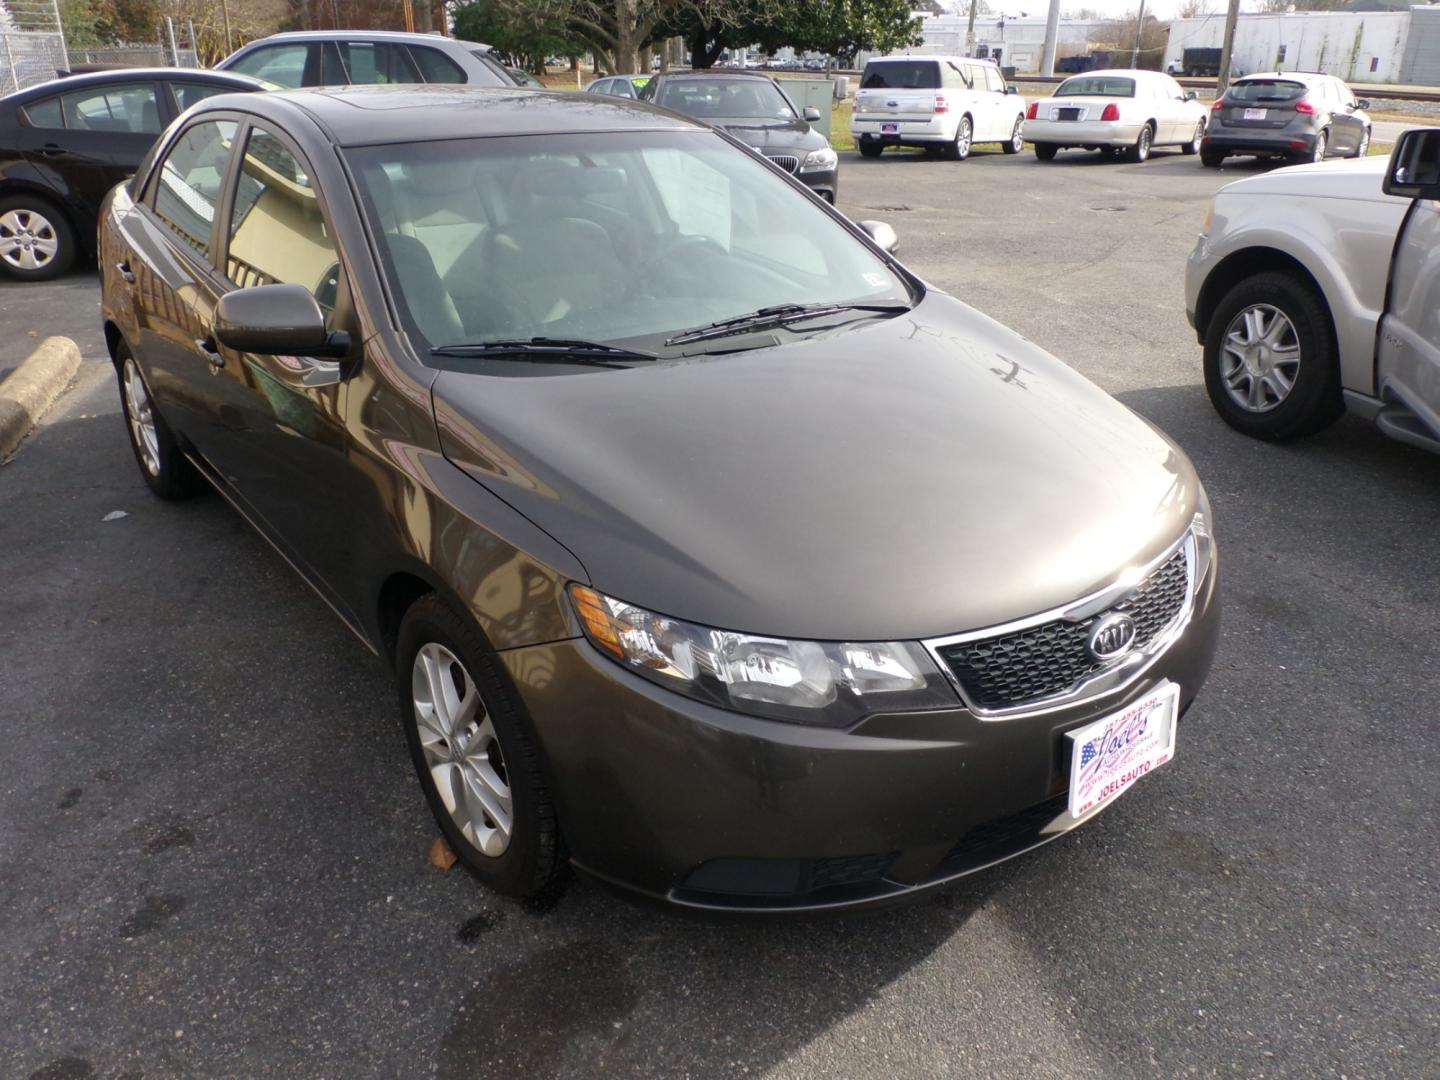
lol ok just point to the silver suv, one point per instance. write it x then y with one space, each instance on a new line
346 57
1294 115
1316 288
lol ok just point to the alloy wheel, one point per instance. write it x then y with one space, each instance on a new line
1017 141
1260 358
1320 146
1142 145
962 139
142 418
28 240
462 750
1363 147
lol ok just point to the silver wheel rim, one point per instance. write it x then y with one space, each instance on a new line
1364 147
28 240
462 750
1017 141
962 138
1142 147
1320 144
1260 358
1199 134
142 418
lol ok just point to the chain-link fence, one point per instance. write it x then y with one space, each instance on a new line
134 56
32 45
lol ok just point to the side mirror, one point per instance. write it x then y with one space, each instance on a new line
1190 95
1414 171
880 232
1010 89
1363 103
276 320
811 114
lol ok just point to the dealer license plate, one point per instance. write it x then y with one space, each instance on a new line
1256 114
889 129
1067 114
1109 755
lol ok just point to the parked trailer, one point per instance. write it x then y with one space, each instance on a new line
1198 62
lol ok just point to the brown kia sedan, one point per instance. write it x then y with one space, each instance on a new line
714 552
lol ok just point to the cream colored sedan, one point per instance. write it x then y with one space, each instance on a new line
1125 111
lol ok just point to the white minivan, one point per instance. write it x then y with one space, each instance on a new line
944 103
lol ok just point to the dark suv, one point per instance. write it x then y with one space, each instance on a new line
1293 115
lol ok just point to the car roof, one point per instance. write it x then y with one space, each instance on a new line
1127 73
1292 76
404 36
710 73
93 78
929 56
382 115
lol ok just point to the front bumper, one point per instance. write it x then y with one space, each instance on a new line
714 809
1082 132
1280 141
824 182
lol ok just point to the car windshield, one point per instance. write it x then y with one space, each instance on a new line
902 75
629 237
1275 90
1097 86
756 99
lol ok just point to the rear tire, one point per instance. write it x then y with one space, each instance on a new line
1318 152
1141 150
959 150
1045 151
1017 141
36 240
1210 159
870 149
453 696
1194 144
1313 400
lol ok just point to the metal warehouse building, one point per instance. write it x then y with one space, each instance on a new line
1359 47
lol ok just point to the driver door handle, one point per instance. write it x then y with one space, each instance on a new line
51 150
211 351
123 268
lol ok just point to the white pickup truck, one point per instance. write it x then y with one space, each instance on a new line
1317 288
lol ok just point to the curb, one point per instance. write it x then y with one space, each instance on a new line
29 390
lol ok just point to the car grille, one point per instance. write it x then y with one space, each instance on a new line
788 162
1053 658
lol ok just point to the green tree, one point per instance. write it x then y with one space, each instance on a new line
841 28
80 19
526 36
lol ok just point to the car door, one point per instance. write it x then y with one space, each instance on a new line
1408 361
88 140
286 63
282 446
1346 127
1002 108
977 102
1178 125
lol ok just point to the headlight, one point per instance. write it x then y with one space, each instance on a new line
824 158
805 682
1202 527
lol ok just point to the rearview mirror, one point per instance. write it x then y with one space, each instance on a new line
276 320
1414 171
1190 95
811 114
883 235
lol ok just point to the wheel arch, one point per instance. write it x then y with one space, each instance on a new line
1245 263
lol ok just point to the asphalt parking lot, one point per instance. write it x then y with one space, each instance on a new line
212 848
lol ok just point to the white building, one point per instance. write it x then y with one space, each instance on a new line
1016 42
1361 47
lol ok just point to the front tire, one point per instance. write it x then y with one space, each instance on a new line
1362 148
870 149
1045 151
1017 141
1141 150
1272 369
959 150
165 469
477 760
36 240
1194 144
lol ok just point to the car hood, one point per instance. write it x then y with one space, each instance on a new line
773 135
918 476
1355 179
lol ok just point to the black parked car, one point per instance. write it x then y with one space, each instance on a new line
738 571
64 144
757 111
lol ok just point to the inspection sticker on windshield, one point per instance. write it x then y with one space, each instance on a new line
1106 757
1255 114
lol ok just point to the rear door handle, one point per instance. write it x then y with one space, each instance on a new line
51 150
124 270
211 351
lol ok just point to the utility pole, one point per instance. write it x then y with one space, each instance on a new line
225 19
970 31
1223 80
1052 34
1139 26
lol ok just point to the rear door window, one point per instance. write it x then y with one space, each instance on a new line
187 190
133 109
435 66
283 65
901 75
368 63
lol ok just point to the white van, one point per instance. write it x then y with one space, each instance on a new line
943 103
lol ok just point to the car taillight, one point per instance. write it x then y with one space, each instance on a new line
1303 106
1217 104
1112 112
1032 110
941 105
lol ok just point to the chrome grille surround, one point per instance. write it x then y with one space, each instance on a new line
1097 678
788 162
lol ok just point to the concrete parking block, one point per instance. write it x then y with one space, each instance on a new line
30 389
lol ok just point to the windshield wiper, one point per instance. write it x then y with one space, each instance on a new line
778 315
576 350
